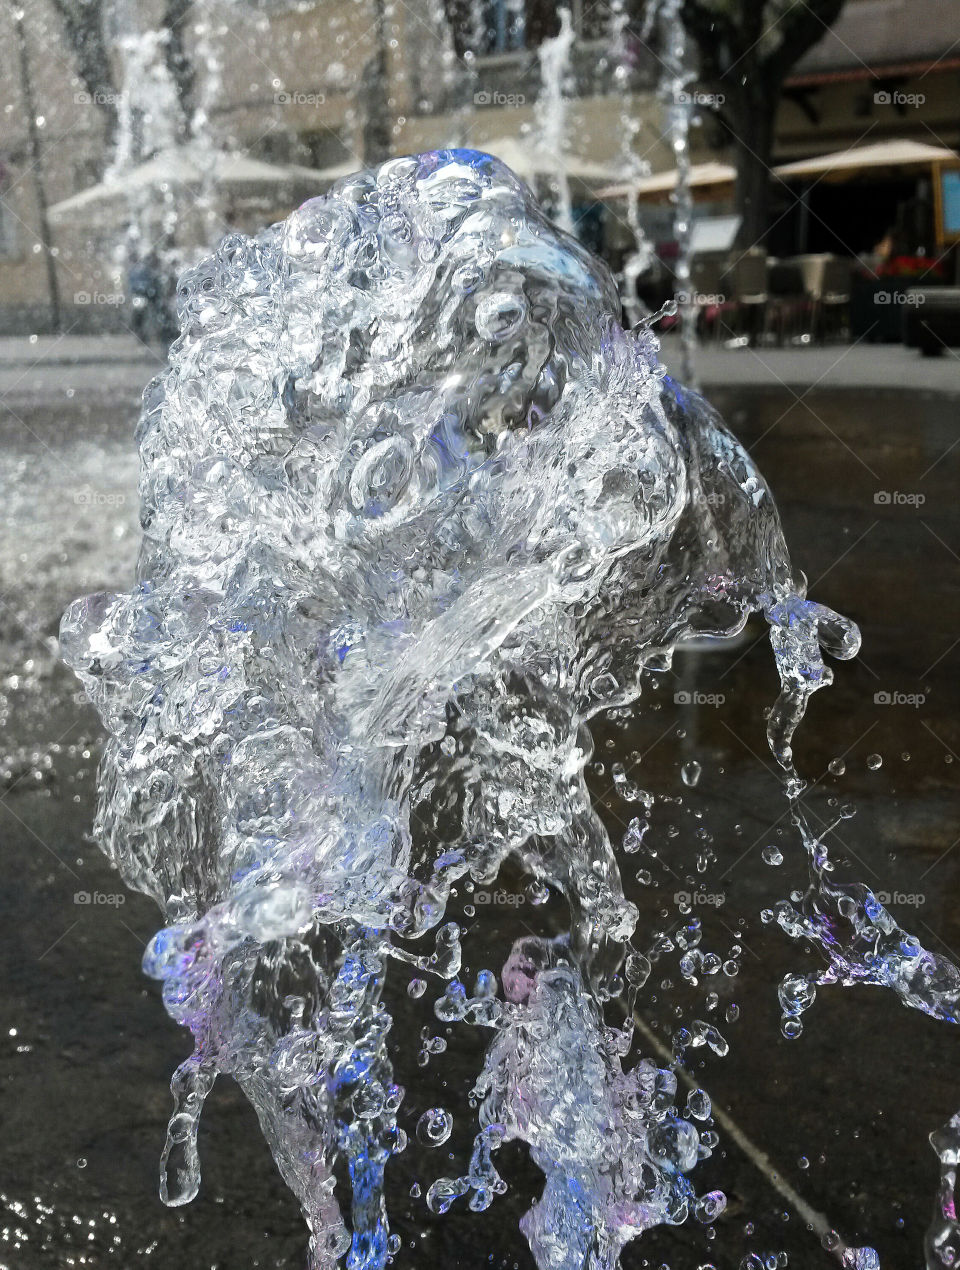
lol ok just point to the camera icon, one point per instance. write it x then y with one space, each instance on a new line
681 897
882 98
82 99
282 99
883 498
481 897
81 897
682 698
81 297
482 98
881 698
883 897
83 497
883 297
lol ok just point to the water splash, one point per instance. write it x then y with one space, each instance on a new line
676 76
415 509
552 110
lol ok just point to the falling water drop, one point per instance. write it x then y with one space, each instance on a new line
690 772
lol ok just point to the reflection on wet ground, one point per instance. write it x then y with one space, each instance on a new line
866 484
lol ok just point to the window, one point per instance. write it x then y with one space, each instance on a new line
324 149
489 27
504 26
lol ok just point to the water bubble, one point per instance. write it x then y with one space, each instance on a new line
708 1207
434 1127
837 766
772 855
874 761
416 987
500 315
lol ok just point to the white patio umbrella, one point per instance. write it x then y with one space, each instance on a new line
842 165
529 160
323 178
186 168
701 174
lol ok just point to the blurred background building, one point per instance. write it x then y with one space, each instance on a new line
240 110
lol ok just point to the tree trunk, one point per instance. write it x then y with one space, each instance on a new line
83 24
752 123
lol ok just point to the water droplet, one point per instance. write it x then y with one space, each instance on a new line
690 773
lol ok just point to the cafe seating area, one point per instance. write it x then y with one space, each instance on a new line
748 297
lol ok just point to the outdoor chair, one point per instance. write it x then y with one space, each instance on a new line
827 281
744 283
706 282
788 310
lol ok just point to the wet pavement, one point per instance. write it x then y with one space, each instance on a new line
866 481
